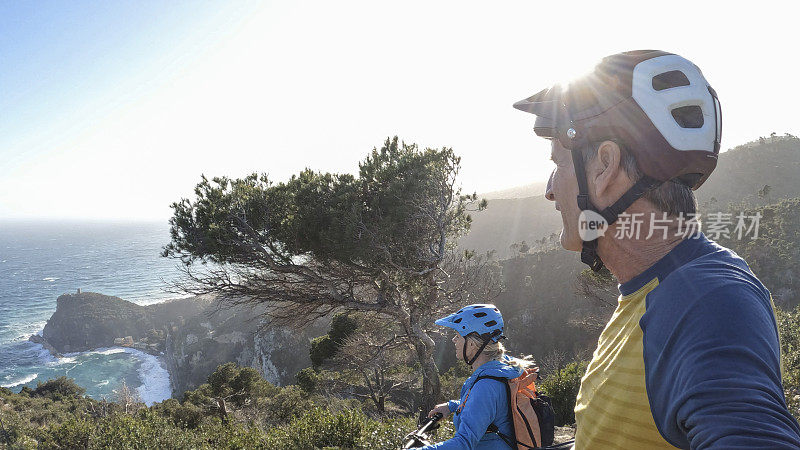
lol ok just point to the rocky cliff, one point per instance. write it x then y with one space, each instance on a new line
192 335
89 320
239 334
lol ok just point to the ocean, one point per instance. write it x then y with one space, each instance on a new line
40 260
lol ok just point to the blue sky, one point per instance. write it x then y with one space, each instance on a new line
67 63
113 109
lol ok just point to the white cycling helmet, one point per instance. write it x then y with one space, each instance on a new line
656 104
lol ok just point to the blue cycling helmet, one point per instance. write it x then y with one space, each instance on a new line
481 319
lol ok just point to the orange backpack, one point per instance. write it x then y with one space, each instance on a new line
531 413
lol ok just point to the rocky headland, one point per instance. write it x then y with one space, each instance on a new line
192 335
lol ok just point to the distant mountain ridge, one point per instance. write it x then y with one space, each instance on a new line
526 190
741 172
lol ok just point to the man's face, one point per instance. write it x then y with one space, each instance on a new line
563 190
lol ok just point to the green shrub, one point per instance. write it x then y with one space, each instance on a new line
322 348
239 385
26 391
200 396
58 417
287 404
13 431
218 436
389 433
788 327
186 415
73 433
146 430
319 428
562 388
221 378
58 388
325 347
307 379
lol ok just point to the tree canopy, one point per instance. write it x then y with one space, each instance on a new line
380 242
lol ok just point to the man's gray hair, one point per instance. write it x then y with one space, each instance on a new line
672 197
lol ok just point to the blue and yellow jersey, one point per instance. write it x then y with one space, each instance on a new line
689 359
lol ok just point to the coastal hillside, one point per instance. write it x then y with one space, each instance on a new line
744 170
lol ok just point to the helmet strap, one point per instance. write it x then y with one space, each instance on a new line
486 341
589 255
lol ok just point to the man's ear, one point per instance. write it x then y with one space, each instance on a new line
608 168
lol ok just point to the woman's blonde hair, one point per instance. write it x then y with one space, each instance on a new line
496 351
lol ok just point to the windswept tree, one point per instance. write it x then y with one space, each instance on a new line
380 242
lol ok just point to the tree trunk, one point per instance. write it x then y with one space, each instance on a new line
223 410
423 346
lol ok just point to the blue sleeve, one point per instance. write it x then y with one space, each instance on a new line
712 368
453 405
479 411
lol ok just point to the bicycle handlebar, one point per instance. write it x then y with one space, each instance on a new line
419 438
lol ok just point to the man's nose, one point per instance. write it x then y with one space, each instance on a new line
548 193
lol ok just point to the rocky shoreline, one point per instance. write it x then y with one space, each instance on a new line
191 336
36 339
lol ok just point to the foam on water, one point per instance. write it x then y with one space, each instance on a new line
155 298
112 350
64 360
44 355
19 381
156 386
155 383
22 331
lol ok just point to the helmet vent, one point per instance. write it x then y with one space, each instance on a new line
688 116
457 320
480 314
491 323
669 80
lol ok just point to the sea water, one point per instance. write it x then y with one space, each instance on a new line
40 260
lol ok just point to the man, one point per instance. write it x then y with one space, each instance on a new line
691 356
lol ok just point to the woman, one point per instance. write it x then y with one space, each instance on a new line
479 330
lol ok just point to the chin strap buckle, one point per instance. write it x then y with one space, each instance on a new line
590 257
583 202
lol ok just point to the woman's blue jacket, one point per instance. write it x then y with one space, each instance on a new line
487 404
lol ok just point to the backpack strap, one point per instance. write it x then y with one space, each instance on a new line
510 440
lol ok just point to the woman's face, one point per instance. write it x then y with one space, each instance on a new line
458 343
